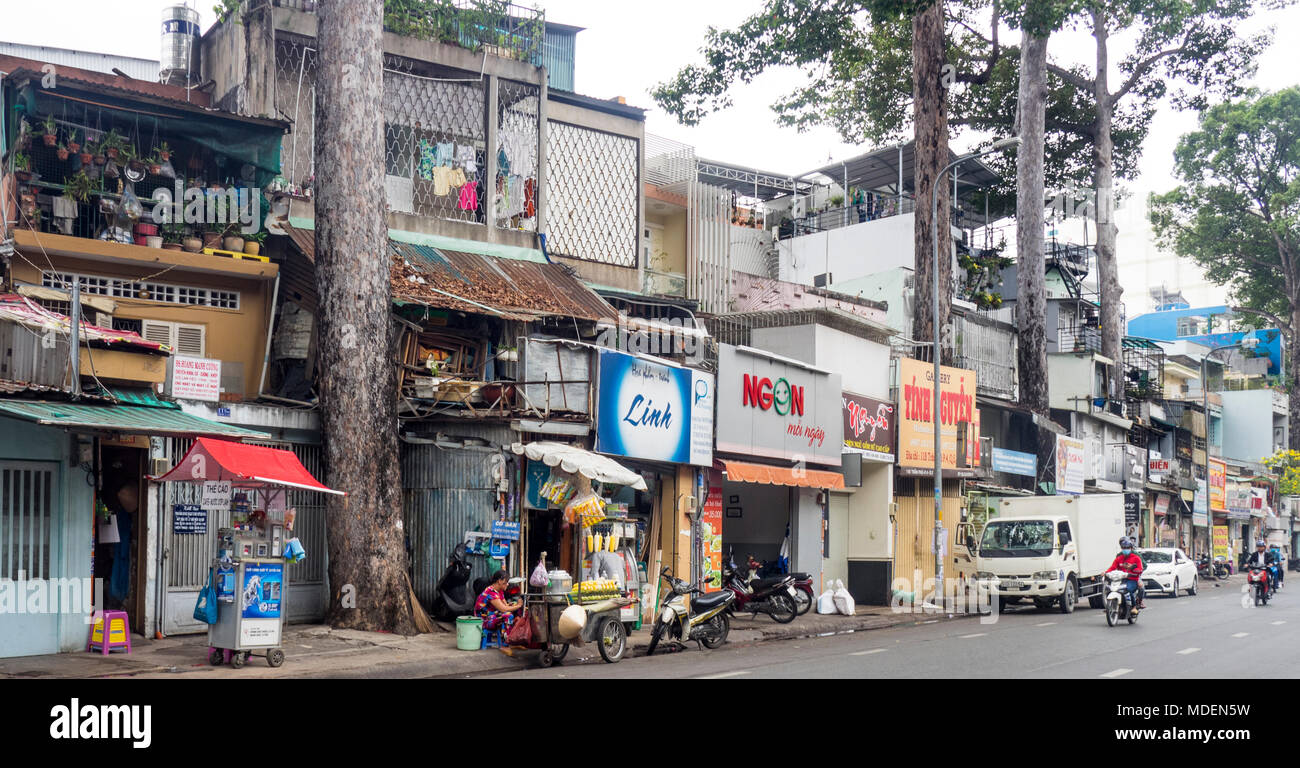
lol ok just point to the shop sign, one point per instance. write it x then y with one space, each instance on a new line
1070 457
1015 462
1157 466
711 533
1136 476
1221 541
778 408
189 518
650 410
504 530
1162 504
1218 485
260 604
957 412
868 426
194 378
216 495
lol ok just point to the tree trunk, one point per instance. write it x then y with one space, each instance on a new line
930 116
367 554
1031 290
1291 363
1112 315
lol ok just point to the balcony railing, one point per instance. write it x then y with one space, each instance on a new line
847 216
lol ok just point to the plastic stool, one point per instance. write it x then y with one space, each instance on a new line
109 630
492 638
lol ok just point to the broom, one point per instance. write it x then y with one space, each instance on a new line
421 619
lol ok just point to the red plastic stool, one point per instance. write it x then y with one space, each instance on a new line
109 630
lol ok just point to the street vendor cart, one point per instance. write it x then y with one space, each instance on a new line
247 573
607 605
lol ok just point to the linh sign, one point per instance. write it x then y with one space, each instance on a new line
648 409
778 408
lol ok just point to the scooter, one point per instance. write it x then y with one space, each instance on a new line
1258 580
773 595
704 620
1274 579
1222 568
452 594
1206 570
804 595
1119 600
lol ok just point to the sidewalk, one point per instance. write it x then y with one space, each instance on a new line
319 651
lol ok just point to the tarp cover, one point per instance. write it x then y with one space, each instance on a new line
575 460
246 466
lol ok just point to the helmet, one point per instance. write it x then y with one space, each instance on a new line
1259 543
1126 543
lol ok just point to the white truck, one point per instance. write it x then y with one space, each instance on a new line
1050 549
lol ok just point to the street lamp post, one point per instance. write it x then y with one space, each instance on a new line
997 146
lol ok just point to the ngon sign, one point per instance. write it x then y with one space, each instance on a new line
765 394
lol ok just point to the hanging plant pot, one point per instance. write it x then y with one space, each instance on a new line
74 147
87 158
155 169
111 152
62 152
100 159
51 139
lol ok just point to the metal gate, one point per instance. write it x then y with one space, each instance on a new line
187 555
29 549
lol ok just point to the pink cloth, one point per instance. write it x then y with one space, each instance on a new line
469 196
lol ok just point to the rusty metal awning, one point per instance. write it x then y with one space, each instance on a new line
513 289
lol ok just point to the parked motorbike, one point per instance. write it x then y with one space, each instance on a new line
1222 568
1119 601
773 595
804 595
1206 569
1258 580
703 620
453 595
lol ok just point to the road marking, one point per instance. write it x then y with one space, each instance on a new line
1117 672
868 653
931 621
1045 624
1186 651
724 674
1241 634
977 634
1278 623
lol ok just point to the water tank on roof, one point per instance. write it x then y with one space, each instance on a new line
180 46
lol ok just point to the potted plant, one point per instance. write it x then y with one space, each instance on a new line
62 152
51 131
112 144
87 155
253 243
74 146
173 234
232 240
211 237
78 187
191 242
164 152
155 164
22 167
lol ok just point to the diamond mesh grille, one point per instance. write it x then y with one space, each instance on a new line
295 100
517 144
592 194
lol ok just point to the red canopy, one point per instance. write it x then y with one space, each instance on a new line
246 466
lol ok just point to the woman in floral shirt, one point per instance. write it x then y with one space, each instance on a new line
492 606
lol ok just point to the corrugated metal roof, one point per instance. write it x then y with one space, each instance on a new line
478 283
125 419
18 66
139 69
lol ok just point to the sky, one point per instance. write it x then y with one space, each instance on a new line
627 48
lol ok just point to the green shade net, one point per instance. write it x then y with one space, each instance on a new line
240 142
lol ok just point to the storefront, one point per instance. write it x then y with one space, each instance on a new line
859 530
780 438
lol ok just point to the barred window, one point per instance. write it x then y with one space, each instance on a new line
592 194
126 289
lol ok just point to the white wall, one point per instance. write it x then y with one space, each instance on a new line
889 286
851 252
870 533
863 365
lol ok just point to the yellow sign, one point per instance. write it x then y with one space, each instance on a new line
1221 541
1218 486
956 408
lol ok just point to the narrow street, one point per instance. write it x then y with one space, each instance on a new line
1210 635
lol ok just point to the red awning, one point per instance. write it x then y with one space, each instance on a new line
742 472
246 466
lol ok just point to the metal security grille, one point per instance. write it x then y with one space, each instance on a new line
592 194
435 138
516 183
26 520
295 100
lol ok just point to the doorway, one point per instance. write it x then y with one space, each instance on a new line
121 542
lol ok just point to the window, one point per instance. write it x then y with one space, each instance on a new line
1063 533
184 339
1191 325
160 292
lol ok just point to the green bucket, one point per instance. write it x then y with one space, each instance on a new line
469 633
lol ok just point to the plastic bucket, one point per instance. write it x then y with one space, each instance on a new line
469 633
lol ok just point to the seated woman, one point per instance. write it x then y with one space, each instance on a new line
492 606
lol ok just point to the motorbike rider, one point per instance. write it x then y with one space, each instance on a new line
1280 562
1131 563
1262 558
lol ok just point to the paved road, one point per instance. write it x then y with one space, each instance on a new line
1210 635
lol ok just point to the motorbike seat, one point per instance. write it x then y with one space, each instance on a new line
701 603
765 582
800 576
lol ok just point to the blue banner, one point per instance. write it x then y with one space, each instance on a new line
189 518
649 410
263 590
1015 462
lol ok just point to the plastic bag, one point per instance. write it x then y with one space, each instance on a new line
522 632
826 602
205 608
843 600
539 577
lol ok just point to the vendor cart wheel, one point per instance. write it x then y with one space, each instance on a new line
237 659
559 653
545 659
275 657
613 640
216 656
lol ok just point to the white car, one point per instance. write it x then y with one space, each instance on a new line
1167 570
